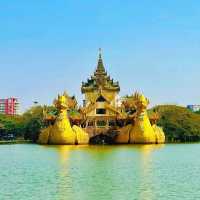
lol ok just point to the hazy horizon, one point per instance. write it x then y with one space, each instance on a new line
48 47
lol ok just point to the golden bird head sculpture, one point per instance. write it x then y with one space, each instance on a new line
141 101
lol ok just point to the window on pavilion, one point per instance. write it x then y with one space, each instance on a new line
100 111
101 99
101 123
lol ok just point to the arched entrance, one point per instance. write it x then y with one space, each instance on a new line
101 139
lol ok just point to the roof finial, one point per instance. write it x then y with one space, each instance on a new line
100 67
99 52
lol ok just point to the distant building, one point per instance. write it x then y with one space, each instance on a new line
9 106
193 108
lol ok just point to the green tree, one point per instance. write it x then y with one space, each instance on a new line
179 123
34 121
11 125
197 112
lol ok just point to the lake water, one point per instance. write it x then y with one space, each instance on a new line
146 172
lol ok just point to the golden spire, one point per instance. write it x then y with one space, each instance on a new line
100 66
99 53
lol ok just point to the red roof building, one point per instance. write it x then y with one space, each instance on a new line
9 106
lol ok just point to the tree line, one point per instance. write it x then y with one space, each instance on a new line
179 123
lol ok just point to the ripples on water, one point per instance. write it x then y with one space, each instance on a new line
146 172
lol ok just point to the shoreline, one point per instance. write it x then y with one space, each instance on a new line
2 142
31 142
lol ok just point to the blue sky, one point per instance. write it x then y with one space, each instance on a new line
149 45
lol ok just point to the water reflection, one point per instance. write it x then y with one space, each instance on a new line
90 173
96 172
64 153
147 190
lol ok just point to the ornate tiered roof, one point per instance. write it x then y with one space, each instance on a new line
100 79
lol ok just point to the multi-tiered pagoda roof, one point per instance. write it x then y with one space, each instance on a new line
100 80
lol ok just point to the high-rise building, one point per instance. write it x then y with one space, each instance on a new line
193 108
9 106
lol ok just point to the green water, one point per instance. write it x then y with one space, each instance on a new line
146 172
